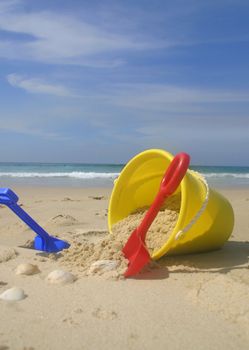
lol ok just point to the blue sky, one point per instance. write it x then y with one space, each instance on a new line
99 81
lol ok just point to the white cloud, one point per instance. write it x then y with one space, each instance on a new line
7 5
64 39
38 86
163 97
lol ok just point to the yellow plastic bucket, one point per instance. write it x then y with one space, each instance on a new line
205 220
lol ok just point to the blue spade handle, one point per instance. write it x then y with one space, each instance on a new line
46 242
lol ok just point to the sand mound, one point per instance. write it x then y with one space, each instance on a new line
63 220
7 254
82 255
161 227
105 256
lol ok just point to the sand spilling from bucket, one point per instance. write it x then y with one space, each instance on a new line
161 227
105 257
85 255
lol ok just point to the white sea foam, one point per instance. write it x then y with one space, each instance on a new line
231 175
73 174
103 175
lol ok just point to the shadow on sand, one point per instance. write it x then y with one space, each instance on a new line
232 256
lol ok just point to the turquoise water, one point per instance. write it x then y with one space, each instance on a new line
90 175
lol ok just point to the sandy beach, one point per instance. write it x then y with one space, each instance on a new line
190 302
149 99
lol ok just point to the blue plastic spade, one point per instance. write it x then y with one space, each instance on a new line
43 241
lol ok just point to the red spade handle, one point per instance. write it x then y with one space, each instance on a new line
171 180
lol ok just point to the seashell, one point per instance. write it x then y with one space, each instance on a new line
103 266
27 269
60 277
13 294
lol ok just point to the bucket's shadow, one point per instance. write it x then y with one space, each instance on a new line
234 255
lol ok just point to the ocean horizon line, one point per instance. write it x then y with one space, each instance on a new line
109 164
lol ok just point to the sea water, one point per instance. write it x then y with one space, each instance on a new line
101 175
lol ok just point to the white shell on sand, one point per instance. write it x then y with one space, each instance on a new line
13 294
60 277
103 265
27 269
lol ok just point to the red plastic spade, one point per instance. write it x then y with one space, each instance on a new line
135 249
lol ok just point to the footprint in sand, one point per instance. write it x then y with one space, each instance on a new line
102 214
226 297
63 220
2 284
89 234
133 338
79 234
70 321
68 199
78 310
103 314
98 198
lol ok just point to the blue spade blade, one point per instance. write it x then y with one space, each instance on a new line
52 245
43 241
